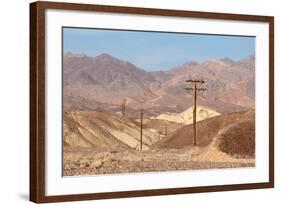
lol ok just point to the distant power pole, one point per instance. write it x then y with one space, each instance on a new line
141 112
123 108
194 88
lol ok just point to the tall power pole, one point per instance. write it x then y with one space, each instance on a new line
123 108
194 88
141 112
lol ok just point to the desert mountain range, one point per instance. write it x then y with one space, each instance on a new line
101 83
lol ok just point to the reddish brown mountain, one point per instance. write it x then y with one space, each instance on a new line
230 85
103 79
102 82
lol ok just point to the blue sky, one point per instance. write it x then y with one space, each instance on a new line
156 51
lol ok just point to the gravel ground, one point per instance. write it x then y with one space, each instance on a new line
87 162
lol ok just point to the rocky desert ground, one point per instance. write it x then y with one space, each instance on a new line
89 162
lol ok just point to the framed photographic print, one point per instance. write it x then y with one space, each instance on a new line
128 102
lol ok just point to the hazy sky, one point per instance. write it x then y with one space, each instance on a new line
154 50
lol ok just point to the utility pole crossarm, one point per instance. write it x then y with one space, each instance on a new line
201 89
188 88
197 89
195 81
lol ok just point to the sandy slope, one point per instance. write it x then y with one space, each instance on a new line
162 126
186 117
103 130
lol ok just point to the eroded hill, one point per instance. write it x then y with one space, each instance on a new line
106 131
207 130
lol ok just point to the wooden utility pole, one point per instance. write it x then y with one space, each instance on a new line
123 108
194 88
141 112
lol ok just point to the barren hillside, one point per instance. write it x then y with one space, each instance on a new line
206 130
100 130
